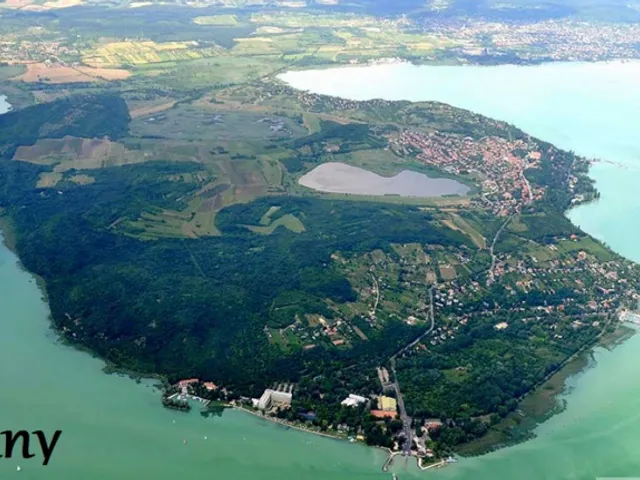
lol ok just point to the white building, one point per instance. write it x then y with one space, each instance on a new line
353 400
271 397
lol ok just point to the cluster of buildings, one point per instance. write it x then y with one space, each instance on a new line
608 286
185 390
499 164
386 407
49 52
564 40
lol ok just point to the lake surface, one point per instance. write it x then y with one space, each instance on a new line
115 428
335 177
593 110
590 108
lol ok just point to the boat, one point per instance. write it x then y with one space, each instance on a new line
395 477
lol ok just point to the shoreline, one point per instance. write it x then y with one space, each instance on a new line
284 423
391 453
439 464
452 62
5 226
109 368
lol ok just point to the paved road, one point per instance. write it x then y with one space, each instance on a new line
491 277
406 420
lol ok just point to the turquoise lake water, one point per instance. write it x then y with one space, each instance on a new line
590 108
114 428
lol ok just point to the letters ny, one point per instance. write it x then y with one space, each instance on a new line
11 440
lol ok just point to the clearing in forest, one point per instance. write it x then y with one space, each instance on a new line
456 222
288 221
143 109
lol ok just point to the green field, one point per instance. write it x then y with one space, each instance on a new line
288 221
588 245
115 54
218 20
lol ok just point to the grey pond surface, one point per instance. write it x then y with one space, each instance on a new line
335 177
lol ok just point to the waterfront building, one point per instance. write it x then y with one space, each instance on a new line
272 397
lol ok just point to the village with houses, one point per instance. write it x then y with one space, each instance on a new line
496 164
567 289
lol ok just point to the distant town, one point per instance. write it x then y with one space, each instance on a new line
550 40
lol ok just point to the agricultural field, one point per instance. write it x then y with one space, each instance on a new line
336 38
304 20
41 72
72 153
117 54
217 20
11 71
144 108
221 182
587 245
456 222
539 254
209 73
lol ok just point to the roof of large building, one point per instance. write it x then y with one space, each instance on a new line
387 403
188 381
353 400
383 414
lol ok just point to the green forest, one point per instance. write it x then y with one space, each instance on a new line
185 307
